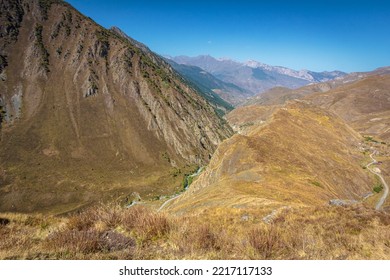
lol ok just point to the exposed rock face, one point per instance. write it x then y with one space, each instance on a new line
82 102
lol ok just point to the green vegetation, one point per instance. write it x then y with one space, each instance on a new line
370 139
188 179
41 47
378 188
317 184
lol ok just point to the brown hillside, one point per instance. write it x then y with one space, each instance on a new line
242 119
364 104
279 95
87 115
302 156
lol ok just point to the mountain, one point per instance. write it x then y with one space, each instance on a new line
87 114
300 156
213 88
363 104
254 76
280 95
310 76
220 105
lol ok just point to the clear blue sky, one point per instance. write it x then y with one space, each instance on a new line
317 35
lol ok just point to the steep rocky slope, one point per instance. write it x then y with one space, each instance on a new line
87 114
301 156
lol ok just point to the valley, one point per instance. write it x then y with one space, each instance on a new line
111 151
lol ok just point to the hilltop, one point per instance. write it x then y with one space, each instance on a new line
300 155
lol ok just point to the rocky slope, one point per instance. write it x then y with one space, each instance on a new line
87 114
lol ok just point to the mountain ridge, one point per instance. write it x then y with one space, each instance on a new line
88 116
256 77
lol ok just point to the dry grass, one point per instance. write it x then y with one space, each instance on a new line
109 232
144 224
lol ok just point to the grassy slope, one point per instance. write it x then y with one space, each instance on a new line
137 233
302 156
364 104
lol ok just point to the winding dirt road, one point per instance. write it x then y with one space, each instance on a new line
385 186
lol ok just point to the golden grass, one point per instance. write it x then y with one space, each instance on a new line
110 232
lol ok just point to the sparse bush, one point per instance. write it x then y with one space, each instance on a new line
378 188
107 217
114 241
44 6
265 240
4 221
75 241
41 47
205 238
145 224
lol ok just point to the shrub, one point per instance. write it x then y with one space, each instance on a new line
85 241
378 188
145 224
4 221
114 241
265 240
205 238
41 48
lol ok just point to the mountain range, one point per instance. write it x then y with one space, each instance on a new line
110 151
255 77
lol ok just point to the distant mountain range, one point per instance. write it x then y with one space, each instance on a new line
253 77
216 91
279 95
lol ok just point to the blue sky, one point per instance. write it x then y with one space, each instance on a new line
317 35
